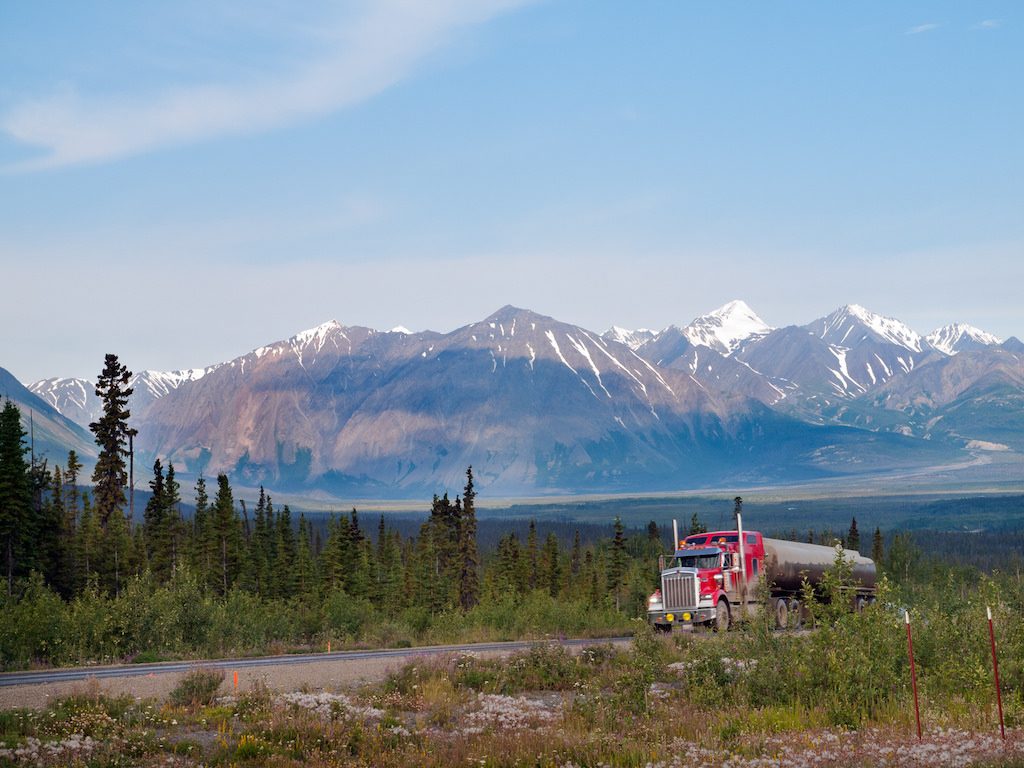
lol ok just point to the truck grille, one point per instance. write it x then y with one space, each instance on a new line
679 591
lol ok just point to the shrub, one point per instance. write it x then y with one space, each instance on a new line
197 688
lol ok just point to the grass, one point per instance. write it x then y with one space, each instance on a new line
540 707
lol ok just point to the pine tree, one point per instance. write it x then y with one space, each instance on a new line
202 534
305 567
15 496
617 562
696 527
853 536
532 557
877 547
469 578
552 568
227 534
574 558
175 526
285 554
111 431
153 522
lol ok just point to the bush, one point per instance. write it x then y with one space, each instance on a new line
197 688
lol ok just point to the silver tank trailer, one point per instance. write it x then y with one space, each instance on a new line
788 563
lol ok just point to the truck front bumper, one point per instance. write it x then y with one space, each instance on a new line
668 619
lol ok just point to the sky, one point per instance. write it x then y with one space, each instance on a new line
182 182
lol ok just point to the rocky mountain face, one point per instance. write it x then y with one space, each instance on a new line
52 433
530 402
540 406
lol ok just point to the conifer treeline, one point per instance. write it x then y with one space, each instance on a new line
77 541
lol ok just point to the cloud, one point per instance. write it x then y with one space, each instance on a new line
930 26
988 24
377 50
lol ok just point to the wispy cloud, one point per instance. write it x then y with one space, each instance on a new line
920 28
372 53
988 24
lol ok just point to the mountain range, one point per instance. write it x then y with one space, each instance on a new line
540 406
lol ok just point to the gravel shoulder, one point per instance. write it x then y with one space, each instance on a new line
329 674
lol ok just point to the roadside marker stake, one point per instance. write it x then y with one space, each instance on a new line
995 670
236 679
913 674
328 646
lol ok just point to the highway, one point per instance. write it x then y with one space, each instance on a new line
72 674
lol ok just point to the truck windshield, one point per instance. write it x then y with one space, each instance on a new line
698 561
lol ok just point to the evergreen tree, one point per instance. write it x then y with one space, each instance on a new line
175 526
696 526
469 578
285 554
16 521
653 534
305 568
153 520
202 534
532 557
877 547
853 536
227 533
617 562
552 580
574 558
111 431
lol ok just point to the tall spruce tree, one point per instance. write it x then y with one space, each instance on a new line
15 496
552 577
469 558
227 536
616 571
853 536
111 430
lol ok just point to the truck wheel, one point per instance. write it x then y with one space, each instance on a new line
798 612
781 614
723 617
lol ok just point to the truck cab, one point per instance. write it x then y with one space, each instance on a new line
708 579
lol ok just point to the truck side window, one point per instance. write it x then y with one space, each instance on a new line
751 538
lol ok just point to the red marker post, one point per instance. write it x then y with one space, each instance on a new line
995 669
913 674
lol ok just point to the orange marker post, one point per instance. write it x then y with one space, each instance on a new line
236 679
328 646
913 674
995 670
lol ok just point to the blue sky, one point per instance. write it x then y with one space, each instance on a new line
182 182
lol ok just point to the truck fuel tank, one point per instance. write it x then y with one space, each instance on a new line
788 563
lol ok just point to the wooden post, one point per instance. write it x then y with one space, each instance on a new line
913 674
995 670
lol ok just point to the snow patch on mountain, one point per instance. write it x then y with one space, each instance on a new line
954 338
726 328
634 339
850 324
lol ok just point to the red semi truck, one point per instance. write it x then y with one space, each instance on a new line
713 578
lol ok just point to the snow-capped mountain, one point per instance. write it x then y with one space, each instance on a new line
76 398
852 325
958 337
538 405
634 339
724 329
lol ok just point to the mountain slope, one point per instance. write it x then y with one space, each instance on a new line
52 433
532 403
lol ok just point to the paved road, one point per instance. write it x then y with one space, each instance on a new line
137 670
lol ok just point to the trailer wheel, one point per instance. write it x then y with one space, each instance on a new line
781 614
798 612
723 617
861 603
